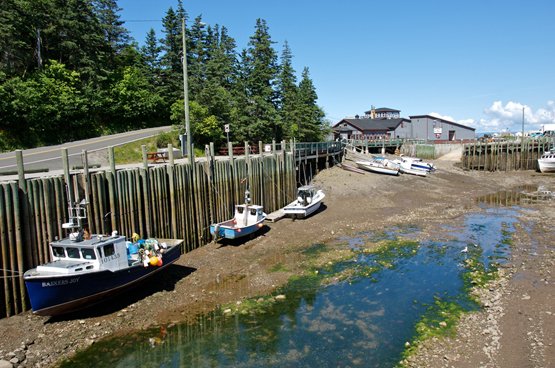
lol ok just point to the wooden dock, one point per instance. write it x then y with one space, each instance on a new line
276 215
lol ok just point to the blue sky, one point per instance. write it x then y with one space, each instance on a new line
474 62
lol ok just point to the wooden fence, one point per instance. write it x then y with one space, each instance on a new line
505 156
167 201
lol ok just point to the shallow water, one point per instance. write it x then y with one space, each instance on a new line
364 315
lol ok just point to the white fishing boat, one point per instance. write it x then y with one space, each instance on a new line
377 167
248 219
546 162
309 199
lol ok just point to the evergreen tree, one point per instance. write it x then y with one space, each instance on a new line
172 66
288 90
263 125
18 37
151 56
116 35
242 109
311 122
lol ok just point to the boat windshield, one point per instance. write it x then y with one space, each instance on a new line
88 254
58 252
240 210
72 252
253 211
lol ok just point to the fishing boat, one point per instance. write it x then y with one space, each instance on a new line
377 167
309 199
86 269
546 162
247 219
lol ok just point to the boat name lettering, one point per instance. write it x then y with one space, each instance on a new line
60 282
109 258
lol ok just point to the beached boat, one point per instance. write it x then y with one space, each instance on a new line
248 218
417 163
86 269
309 199
405 167
546 162
377 167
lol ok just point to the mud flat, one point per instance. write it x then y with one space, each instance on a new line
514 328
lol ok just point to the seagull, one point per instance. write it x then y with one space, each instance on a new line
464 250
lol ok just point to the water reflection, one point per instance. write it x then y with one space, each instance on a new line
521 195
357 312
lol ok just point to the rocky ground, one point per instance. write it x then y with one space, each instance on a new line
515 328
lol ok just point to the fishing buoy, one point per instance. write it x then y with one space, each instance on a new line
154 261
238 230
160 261
260 224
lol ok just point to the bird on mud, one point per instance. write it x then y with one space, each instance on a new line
465 250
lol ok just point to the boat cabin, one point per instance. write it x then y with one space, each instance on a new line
248 215
97 253
305 194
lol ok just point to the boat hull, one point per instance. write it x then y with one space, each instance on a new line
59 294
294 209
546 165
380 169
229 230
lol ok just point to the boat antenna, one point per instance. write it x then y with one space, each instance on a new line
76 212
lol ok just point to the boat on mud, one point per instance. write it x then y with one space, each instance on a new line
309 199
86 269
377 166
546 163
247 219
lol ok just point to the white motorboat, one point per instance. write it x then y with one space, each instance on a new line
405 167
417 163
546 162
309 199
377 167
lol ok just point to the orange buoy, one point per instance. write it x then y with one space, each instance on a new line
154 261
160 261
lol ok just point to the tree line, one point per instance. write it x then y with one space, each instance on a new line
70 70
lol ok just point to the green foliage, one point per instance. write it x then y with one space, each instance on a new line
69 70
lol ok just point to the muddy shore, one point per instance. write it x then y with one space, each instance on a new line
515 327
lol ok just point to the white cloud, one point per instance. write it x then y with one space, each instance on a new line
509 117
436 115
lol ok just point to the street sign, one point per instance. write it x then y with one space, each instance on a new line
226 128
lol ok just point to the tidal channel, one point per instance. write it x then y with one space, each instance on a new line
396 286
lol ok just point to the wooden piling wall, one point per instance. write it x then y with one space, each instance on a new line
504 156
166 201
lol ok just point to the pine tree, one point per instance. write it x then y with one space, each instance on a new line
310 115
260 83
116 35
151 55
172 67
288 91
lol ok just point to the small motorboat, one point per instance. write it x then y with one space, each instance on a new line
248 218
405 167
377 167
86 269
309 199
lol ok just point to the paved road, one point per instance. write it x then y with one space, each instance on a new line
51 157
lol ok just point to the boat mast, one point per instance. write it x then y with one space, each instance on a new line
247 192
